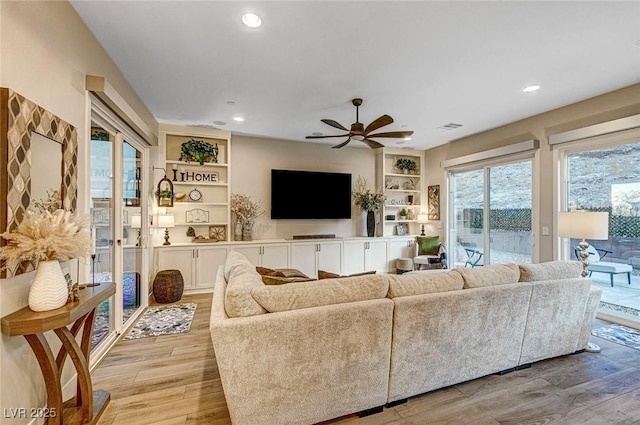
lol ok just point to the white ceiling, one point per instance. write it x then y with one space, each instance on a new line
424 63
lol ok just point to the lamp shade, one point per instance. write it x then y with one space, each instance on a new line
584 225
136 221
166 221
423 218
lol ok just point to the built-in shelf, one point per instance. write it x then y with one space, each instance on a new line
211 223
402 190
402 175
216 204
194 183
400 206
195 164
401 221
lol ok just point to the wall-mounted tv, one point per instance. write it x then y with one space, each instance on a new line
310 195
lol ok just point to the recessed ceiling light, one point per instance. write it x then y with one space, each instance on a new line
532 88
238 119
251 20
407 138
231 102
220 123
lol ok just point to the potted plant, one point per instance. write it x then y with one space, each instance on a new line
403 214
191 232
164 197
198 151
406 165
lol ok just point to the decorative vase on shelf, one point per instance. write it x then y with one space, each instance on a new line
237 231
247 231
363 224
49 289
371 223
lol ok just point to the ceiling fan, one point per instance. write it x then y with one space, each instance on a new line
360 133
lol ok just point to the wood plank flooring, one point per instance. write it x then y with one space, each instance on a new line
174 380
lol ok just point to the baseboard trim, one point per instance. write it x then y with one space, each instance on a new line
396 403
523 366
504 372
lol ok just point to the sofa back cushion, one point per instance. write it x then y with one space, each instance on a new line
497 274
241 277
428 245
424 283
294 296
550 270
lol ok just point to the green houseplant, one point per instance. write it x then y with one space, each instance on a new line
198 151
403 214
406 165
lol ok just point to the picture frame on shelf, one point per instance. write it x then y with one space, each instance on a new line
402 229
218 232
196 215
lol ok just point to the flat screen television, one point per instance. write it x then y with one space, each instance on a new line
310 195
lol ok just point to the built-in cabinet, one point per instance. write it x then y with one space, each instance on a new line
199 263
202 191
309 257
361 256
274 256
403 190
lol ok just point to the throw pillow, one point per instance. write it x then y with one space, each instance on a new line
279 280
428 245
264 271
328 275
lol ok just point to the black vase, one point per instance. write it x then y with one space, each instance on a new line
371 223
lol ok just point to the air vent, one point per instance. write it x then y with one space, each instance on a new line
450 126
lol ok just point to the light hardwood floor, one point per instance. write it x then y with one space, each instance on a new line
174 380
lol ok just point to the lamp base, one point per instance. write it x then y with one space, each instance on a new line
422 230
166 237
584 256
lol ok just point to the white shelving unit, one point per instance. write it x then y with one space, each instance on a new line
213 208
403 190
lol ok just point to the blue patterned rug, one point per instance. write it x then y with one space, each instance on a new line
164 320
620 335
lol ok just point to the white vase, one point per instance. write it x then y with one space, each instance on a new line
49 288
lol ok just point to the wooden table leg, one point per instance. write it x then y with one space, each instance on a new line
49 368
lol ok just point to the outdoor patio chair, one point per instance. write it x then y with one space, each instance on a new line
598 266
473 257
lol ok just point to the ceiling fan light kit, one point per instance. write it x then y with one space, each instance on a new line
359 133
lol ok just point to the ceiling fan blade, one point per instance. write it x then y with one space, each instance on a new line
377 123
342 144
373 144
324 137
392 134
333 123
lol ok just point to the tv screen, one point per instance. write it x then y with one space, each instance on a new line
310 195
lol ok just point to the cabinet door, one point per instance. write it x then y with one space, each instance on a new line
303 258
181 259
354 257
400 248
376 256
252 252
275 256
330 257
207 262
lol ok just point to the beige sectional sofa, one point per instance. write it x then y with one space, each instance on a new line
305 352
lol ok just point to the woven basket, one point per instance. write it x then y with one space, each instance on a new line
168 286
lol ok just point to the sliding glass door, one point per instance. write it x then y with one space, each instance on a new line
490 214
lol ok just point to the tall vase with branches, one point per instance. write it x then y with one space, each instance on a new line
368 201
245 212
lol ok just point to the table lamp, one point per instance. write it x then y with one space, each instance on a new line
422 219
166 221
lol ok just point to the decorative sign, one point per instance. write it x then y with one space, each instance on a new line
218 233
197 176
433 198
196 215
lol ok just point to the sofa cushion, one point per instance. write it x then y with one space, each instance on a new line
241 277
293 296
497 274
428 245
550 270
264 271
424 283
329 275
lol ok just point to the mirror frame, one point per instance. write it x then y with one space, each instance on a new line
18 118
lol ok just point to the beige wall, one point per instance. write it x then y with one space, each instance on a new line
252 160
610 106
45 53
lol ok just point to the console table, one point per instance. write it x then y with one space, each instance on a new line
87 406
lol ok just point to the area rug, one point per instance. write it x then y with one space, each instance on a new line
164 320
620 335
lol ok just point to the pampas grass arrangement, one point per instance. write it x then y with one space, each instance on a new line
47 236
